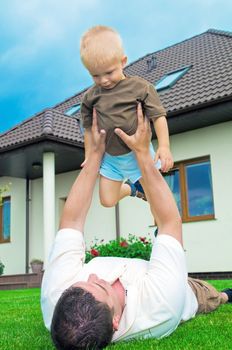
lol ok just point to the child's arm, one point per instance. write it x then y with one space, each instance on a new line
88 142
163 151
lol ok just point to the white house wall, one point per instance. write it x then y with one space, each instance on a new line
100 221
135 218
100 224
208 243
12 254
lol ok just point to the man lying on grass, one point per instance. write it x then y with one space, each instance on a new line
86 306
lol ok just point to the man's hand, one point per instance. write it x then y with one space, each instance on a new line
94 140
140 141
98 137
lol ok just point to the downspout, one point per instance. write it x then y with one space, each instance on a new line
117 221
27 224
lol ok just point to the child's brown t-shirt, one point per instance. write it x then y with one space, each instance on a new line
117 108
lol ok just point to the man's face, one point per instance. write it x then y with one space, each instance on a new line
108 76
103 292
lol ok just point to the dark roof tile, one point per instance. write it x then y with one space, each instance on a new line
48 123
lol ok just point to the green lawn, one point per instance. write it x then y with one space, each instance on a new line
21 327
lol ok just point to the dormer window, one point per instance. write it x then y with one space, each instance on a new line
168 80
73 110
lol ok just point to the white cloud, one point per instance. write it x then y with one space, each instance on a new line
36 25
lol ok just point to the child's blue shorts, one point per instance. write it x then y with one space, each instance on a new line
119 168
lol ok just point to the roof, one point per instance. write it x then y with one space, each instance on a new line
50 124
208 81
22 148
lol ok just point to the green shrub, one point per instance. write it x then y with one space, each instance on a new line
2 266
132 247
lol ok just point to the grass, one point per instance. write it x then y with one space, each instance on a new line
21 327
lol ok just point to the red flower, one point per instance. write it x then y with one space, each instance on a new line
124 244
94 252
143 239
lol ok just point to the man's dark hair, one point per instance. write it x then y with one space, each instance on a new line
81 322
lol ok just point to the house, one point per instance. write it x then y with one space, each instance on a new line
41 157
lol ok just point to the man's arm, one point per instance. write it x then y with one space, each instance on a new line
87 141
162 203
80 197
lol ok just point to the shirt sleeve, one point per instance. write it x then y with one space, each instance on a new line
86 112
64 264
152 105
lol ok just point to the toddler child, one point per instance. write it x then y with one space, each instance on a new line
115 97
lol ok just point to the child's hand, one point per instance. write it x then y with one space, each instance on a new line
165 156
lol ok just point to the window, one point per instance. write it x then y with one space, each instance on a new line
191 184
5 209
73 110
170 79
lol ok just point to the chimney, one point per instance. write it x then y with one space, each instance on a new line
151 63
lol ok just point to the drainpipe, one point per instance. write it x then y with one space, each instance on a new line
117 221
27 224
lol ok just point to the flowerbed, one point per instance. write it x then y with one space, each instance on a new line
132 247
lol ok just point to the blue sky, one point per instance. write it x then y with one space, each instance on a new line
39 42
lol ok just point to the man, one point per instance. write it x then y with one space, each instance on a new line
87 306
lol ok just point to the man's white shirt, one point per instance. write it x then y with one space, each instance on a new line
158 295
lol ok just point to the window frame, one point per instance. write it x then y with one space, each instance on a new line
184 190
69 110
182 71
2 240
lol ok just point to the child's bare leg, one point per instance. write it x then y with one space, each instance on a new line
111 191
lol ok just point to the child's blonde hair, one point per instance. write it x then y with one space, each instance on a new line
100 45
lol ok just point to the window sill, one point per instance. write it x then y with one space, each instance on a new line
5 241
199 219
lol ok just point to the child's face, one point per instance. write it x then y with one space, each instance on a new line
107 76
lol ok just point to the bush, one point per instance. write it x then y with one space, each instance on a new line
133 247
2 266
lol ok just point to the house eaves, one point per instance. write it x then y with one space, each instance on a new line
27 161
207 115
23 147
